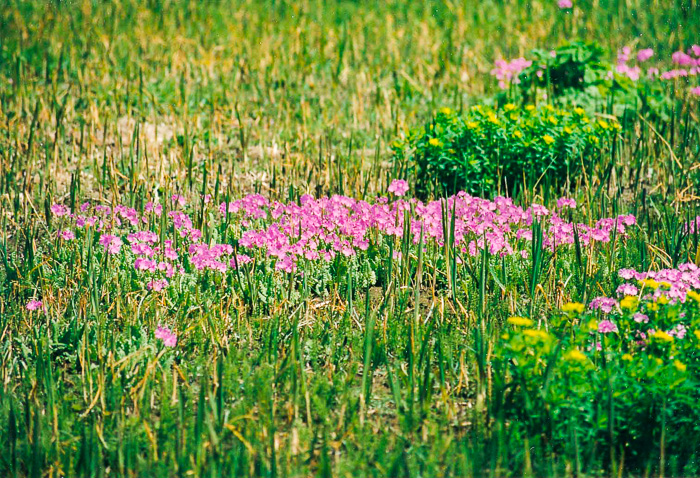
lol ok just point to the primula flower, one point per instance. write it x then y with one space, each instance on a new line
66 235
157 285
564 4
640 318
605 326
398 186
566 202
34 305
112 244
59 210
645 54
695 91
167 336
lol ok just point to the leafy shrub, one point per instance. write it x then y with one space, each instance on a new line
488 150
620 377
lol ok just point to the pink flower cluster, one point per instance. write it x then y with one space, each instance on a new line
167 336
325 228
565 4
507 72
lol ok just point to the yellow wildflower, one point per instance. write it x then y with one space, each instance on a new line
680 366
662 336
434 142
603 124
509 107
472 124
517 134
548 139
579 111
575 307
627 358
650 283
653 306
520 321
663 300
446 111
536 334
575 355
629 302
530 107
697 333
693 295
568 130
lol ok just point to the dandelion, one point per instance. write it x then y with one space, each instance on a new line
34 305
167 336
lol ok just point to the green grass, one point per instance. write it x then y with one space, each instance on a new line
371 366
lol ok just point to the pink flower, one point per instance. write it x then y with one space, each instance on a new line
645 54
59 210
34 305
169 338
565 4
157 285
605 326
66 235
566 202
112 244
695 91
398 186
640 318
682 58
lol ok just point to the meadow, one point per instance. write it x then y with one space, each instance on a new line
338 238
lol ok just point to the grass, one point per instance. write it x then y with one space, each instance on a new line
390 362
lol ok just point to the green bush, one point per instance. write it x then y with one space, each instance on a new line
490 151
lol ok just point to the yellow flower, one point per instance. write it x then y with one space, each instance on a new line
517 134
520 321
575 355
568 130
548 139
680 366
492 117
697 333
472 124
509 107
603 124
476 108
663 300
665 284
530 107
693 295
553 120
662 336
579 111
446 111
592 324
650 283
536 334
434 142
653 306
575 307
629 302
627 358
505 336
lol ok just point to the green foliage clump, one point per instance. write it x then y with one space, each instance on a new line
500 150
